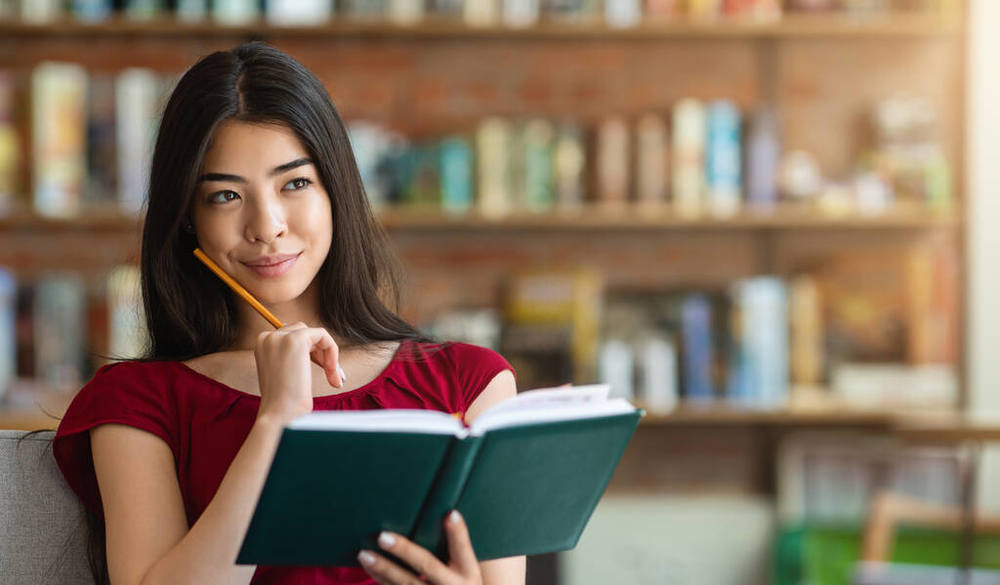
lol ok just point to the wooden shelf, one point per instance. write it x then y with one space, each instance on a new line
591 218
586 218
789 26
731 416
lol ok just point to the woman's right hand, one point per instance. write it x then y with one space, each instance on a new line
284 372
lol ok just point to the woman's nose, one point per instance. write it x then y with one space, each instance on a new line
266 222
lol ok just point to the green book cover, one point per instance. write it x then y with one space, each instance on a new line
526 475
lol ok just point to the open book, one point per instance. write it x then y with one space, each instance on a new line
526 475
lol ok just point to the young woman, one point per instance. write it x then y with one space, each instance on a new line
169 453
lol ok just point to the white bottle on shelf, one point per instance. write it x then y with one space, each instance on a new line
658 361
616 366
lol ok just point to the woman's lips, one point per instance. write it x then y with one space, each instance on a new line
273 270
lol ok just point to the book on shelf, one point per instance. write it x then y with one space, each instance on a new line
235 12
58 335
8 332
698 351
537 136
652 151
688 152
568 162
102 141
92 10
456 175
137 95
622 13
10 147
526 476
521 13
759 374
144 9
406 12
59 146
723 158
127 334
494 138
613 156
298 12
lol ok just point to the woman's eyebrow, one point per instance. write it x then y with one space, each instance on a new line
238 179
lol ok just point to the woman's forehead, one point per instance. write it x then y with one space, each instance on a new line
248 145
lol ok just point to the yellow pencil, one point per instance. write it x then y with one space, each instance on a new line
249 298
238 289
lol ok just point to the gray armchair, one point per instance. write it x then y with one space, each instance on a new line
43 530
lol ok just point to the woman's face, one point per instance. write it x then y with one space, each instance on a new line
260 211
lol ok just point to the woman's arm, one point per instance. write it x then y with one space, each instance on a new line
509 571
148 541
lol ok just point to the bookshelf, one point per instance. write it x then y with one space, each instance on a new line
821 71
787 27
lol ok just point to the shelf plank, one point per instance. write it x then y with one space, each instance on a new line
790 26
633 218
586 218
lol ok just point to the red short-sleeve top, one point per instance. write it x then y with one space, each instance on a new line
205 422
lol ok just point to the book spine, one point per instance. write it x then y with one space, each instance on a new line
493 141
696 329
8 342
538 135
234 12
456 175
59 127
191 10
102 150
568 162
91 10
58 322
143 9
126 321
622 13
658 359
763 159
722 158
651 150
406 12
688 176
444 494
616 365
520 13
299 12
136 93
613 162
10 148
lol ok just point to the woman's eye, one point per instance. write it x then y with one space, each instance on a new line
299 183
223 196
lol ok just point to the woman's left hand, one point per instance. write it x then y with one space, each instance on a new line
463 568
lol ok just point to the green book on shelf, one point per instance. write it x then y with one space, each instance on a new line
526 475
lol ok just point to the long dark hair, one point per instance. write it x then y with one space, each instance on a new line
190 312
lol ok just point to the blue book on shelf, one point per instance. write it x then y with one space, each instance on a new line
91 10
8 333
456 175
696 330
760 376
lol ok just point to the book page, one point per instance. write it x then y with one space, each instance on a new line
389 420
547 398
551 404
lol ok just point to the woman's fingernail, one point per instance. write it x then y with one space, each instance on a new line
343 374
385 540
454 517
366 558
